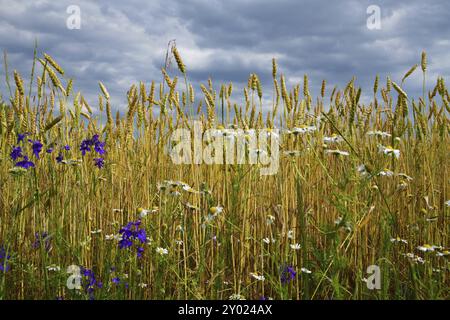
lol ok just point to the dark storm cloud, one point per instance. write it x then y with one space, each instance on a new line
122 42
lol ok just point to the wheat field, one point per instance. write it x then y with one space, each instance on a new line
359 184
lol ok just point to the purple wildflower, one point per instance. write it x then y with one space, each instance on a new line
67 147
99 162
45 237
59 158
90 282
16 153
85 146
49 150
4 257
37 147
25 163
99 147
130 233
94 142
287 274
116 280
139 252
20 137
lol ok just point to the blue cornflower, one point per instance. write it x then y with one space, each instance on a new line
90 282
287 274
25 163
133 232
37 147
99 162
4 257
99 147
49 150
59 158
116 280
21 136
125 243
16 153
44 236
139 252
85 146
94 142
67 147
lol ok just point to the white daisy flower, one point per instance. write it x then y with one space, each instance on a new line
116 237
347 225
296 246
142 285
447 203
175 193
425 248
290 234
144 212
304 270
379 134
96 231
216 210
270 219
303 129
162 251
333 139
443 253
362 170
236 296
414 258
337 152
268 240
386 173
72 162
53 267
257 276
389 151
398 240
188 188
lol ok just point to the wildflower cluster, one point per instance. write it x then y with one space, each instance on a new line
133 234
42 237
4 257
288 273
17 152
97 145
60 156
90 282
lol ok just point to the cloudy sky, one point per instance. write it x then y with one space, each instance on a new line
123 42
